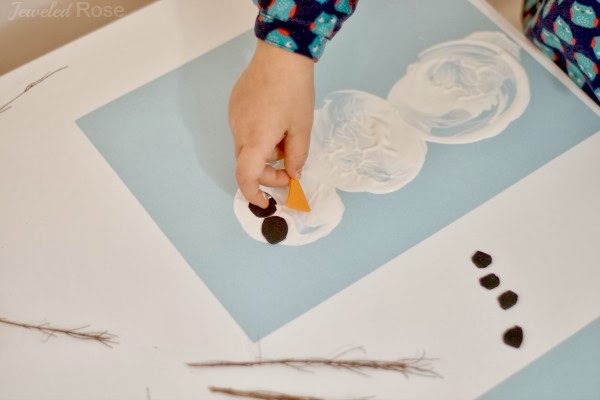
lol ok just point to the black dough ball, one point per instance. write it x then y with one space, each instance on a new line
274 229
481 259
490 281
508 299
264 212
514 337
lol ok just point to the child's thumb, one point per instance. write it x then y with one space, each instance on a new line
296 147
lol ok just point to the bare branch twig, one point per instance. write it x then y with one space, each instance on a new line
412 366
259 395
104 337
349 350
267 395
8 106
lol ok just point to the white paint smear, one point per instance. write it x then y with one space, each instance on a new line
360 143
457 92
465 90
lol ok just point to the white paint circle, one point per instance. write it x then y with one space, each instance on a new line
464 91
360 143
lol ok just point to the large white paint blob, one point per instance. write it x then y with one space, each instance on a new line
360 143
465 90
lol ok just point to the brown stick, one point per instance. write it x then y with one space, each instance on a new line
259 395
103 337
7 106
417 366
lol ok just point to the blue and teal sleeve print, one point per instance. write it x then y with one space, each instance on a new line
568 32
301 26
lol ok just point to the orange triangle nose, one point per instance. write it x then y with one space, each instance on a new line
296 198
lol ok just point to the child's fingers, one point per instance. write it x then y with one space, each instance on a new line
296 151
250 166
252 171
276 155
274 177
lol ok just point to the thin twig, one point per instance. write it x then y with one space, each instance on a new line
8 106
259 395
349 350
413 366
104 337
264 395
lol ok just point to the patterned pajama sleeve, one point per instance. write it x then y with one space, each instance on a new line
568 32
301 26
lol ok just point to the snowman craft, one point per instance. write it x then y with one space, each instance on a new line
457 92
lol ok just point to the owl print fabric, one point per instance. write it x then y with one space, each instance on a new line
301 26
568 32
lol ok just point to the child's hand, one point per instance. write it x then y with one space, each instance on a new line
271 113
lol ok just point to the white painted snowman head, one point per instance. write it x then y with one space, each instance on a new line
457 92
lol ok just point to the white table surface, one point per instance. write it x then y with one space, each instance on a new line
77 248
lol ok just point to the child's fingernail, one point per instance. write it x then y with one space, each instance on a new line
298 174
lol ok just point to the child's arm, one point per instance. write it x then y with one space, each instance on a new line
271 106
270 113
